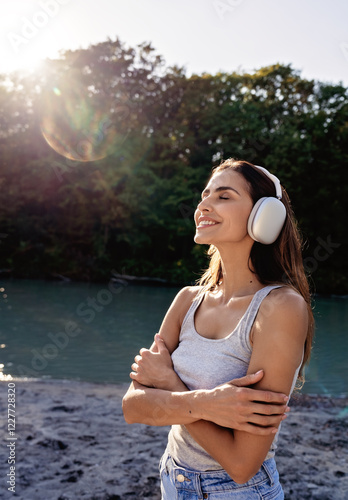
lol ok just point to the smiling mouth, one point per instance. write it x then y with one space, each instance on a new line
206 223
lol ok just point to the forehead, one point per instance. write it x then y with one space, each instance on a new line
228 177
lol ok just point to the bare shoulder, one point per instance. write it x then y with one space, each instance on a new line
284 309
171 325
183 300
188 293
286 300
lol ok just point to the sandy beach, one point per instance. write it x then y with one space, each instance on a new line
73 443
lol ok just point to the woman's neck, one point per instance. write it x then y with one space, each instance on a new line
238 280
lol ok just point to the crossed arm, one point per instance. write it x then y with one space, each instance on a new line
233 423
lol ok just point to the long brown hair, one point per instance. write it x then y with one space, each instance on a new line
281 262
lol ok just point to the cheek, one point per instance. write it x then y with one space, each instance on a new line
196 215
248 210
245 209
239 220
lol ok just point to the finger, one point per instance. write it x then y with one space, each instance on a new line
269 397
249 379
137 358
135 367
142 350
257 395
266 421
271 409
259 430
154 347
160 343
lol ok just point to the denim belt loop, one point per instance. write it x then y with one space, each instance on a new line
268 472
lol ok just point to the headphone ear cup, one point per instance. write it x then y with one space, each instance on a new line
266 220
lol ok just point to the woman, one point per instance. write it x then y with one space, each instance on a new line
249 322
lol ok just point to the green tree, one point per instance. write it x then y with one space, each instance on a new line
104 153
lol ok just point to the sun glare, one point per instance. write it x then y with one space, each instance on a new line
29 61
30 56
30 33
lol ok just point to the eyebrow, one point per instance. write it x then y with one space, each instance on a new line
221 188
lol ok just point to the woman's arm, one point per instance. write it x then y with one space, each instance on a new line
169 402
145 403
278 344
233 405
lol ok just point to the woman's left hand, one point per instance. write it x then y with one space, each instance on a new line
155 368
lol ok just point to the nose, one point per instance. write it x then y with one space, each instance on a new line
204 205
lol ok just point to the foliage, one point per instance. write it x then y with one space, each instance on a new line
142 140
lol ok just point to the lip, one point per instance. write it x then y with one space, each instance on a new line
209 219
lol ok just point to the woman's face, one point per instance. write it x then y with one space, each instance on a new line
222 215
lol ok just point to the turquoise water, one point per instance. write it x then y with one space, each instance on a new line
90 332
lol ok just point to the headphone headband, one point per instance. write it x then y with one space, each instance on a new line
275 180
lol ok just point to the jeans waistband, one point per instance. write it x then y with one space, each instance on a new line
186 478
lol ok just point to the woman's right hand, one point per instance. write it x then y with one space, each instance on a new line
154 368
236 406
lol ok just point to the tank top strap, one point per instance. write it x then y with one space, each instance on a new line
254 306
192 309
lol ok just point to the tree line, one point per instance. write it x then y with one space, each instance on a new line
104 153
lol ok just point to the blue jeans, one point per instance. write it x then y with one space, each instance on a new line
178 483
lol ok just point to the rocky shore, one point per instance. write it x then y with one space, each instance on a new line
73 443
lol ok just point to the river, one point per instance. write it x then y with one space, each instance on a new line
91 332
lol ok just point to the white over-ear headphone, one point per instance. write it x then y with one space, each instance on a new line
268 215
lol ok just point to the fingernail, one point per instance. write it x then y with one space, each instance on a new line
260 371
287 410
284 417
286 398
274 431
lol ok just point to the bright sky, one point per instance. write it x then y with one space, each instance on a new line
201 35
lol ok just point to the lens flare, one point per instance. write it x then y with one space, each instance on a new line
78 124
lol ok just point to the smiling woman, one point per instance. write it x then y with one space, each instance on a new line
248 323
225 201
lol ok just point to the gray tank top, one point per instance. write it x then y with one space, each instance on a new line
204 363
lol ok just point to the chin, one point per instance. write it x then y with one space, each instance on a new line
201 240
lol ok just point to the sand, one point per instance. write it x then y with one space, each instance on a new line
73 443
